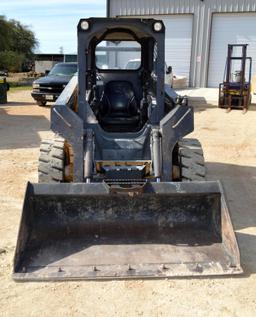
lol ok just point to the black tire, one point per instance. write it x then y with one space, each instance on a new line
51 165
41 103
250 100
221 102
191 157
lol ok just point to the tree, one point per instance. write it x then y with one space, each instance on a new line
12 61
17 43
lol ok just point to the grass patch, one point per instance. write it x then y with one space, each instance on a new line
16 88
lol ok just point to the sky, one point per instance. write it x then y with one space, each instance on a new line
53 21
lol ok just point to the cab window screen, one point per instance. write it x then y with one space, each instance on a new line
118 55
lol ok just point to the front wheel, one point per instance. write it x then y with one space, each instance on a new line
191 160
41 103
55 162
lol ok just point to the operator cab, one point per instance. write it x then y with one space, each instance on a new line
122 80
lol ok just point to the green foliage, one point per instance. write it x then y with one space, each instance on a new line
17 43
11 60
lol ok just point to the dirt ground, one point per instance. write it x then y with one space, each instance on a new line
229 142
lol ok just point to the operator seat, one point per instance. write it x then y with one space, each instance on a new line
119 109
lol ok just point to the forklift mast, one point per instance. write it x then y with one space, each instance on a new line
235 91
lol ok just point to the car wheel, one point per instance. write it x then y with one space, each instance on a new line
41 103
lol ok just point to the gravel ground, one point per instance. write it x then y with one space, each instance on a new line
230 151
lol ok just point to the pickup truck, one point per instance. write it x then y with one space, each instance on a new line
48 88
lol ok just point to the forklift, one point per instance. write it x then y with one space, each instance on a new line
235 91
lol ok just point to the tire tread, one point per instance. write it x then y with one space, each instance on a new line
51 161
192 163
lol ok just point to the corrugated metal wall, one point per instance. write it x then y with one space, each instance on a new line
202 11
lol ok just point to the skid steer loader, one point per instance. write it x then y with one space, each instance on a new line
121 194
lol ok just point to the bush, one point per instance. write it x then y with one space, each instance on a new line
12 61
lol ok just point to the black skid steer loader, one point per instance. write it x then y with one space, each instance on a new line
121 194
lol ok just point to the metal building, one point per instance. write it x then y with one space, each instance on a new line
197 32
45 62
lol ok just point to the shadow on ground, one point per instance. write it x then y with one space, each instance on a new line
21 131
201 104
17 103
239 184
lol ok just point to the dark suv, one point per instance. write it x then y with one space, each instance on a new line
49 88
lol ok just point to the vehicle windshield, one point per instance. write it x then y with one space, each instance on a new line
133 64
63 70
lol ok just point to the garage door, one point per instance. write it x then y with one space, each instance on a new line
177 41
230 29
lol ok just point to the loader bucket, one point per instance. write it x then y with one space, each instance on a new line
94 231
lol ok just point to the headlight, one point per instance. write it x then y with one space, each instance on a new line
158 26
35 86
85 25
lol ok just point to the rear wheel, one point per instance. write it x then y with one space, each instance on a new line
54 162
191 159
